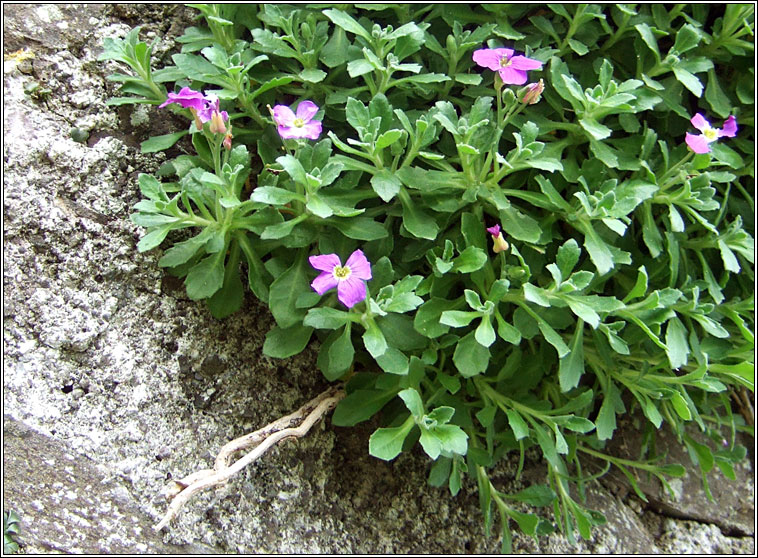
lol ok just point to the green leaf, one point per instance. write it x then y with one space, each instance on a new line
346 22
388 138
284 292
360 405
452 438
571 366
151 188
284 343
274 196
374 340
519 225
387 443
419 223
680 406
294 168
677 348
517 424
160 143
205 277
326 318
457 318
340 356
182 252
688 80
470 357
538 495
470 260
386 185
360 228
312 75
412 401
687 38
393 361
567 257
485 333
427 320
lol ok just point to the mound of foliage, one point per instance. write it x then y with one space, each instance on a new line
543 215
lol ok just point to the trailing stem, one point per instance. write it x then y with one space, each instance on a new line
294 425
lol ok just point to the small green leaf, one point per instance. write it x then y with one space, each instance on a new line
680 406
284 343
387 443
386 185
206 277
677 348
312 75
517 424
412 401
374 340
160 143
470 357
360 405
571 366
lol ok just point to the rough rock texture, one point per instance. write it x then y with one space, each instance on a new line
115 382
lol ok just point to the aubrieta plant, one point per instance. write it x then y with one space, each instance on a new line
541 230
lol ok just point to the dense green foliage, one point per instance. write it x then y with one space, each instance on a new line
628 281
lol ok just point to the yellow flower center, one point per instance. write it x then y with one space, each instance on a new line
710 134
505 62
298 123
341 272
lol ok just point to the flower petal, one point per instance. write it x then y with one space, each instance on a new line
351 291
730 128
283 115
359 265
512 75
699 122
698 143
494 231
306 110
324 282
326 262
187 98
490 57
524 63
311 130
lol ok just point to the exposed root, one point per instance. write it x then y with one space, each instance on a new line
295 425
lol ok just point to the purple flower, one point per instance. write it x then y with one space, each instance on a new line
348 278
297 125
499 243
187 98
512 68
203 107
699 143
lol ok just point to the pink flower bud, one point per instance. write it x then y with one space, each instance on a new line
217 123
533 93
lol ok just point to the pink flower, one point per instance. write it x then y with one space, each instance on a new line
187 98
499 243
348 278
699 143
292 125
203 107
512 68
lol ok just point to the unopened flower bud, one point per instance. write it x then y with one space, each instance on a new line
198 122
533 93
217 123
499 244
228 139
